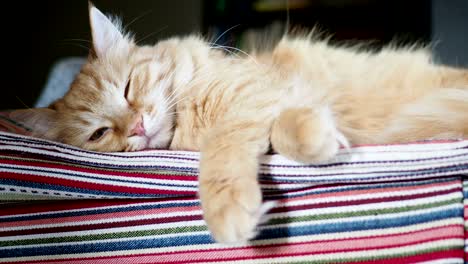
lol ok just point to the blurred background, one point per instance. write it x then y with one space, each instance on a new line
39 33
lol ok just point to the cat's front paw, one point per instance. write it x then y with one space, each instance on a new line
232 209
306 135
136 144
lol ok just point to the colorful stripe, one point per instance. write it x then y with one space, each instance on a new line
372 204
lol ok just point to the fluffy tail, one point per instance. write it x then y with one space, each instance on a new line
442 114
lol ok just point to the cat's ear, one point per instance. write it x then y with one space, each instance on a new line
38 120
104 33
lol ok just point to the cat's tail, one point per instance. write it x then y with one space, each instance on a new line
441 114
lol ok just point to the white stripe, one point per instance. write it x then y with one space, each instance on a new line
109 182
357 187
341 221
40 193
373 153
366 207
393 167
108 177
444 261
373 195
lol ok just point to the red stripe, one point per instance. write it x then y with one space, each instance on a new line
444 254
454 253
113 172
101 225
91 185
31 207
362 201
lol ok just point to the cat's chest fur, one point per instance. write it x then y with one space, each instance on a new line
230 94
192 123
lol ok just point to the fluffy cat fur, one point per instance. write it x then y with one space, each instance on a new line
305 98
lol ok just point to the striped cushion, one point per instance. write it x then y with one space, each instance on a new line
372 204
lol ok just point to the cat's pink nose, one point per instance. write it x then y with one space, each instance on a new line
138 129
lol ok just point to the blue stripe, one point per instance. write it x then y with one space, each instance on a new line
271 233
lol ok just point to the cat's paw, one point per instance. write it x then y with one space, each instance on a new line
232 210
136 144
306 135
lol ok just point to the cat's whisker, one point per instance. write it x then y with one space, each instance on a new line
178 101
136 19
175 103
168 76
243 52
77 39
224 33
174 97
78 45
226 50
161 89
171 99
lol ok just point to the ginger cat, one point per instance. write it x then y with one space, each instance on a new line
305 98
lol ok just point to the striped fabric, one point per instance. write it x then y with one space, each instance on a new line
372 204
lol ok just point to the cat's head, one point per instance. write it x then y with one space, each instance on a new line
123 98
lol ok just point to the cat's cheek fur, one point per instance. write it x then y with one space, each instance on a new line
161 140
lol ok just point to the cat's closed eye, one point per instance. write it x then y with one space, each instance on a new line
99 133
127 88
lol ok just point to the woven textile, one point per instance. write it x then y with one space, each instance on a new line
372 204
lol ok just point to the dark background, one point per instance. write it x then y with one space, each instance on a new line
38 33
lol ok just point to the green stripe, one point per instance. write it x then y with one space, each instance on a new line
140 233
308 218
